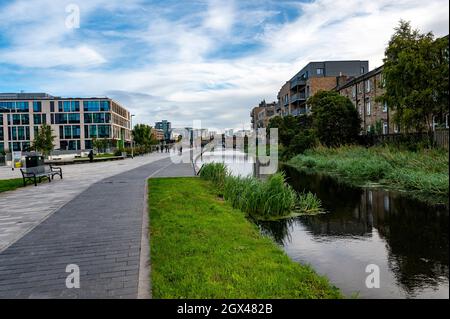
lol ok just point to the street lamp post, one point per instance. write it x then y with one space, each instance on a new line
132 137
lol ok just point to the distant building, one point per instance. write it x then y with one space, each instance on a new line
74 121
262 114
166 127
158 134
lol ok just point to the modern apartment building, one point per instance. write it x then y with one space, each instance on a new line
363 92
74 121
315 76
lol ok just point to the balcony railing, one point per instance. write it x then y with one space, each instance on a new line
298 82
299 111
298 97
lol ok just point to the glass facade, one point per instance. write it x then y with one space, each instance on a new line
19 133
96 106
68 106
97 118
74 122
14 107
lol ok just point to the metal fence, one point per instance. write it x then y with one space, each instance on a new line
438 138
441 138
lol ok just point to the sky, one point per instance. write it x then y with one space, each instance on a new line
207 60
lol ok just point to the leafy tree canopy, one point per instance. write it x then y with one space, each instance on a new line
335 119
416 68
43 141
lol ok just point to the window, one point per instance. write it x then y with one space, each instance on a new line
368 86
396 129
96 106
74 118
385 107
319 71
354 91
2 147
61 118
385 128
75 131
37 106
368 107
88 144
19 133
2 134
67 131
70 145
383 80
68 106
37 119
16 119
363 70
103 131
52 106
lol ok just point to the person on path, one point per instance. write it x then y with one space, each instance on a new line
91 156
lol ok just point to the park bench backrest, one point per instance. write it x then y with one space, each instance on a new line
35 170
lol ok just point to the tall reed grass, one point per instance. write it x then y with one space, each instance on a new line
266 199
424 171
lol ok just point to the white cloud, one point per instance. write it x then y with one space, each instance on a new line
220 16
176 78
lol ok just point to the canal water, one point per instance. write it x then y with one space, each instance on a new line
406 239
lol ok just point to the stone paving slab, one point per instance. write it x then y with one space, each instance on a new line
24 208
100 230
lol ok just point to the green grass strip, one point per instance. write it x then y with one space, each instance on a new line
203 248
10 184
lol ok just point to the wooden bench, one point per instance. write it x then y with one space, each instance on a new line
40 172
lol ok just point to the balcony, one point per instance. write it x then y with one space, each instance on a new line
301 97
298 82
298 111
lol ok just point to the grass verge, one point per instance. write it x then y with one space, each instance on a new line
201 247
10 184
423 173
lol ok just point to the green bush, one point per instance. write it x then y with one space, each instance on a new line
270 198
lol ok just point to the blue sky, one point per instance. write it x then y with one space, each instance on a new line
208 60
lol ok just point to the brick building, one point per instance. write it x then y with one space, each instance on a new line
363 91
315 76
261 114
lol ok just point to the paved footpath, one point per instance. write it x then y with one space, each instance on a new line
100 231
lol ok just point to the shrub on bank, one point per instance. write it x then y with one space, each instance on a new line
266 199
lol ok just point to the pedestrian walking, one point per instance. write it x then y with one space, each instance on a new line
91 156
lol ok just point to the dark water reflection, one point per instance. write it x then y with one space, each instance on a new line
407 239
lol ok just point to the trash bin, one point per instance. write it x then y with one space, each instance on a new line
34 161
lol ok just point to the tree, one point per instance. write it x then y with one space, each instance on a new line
415 75
295 134
43 141
335 119
143 136
100 144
